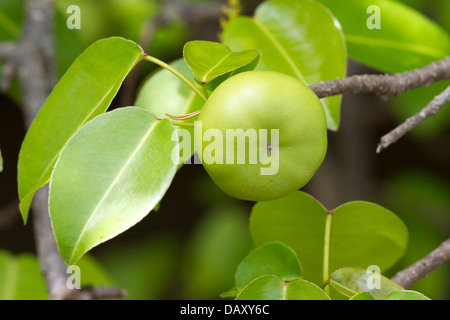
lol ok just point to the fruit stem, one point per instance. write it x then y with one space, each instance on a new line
175 72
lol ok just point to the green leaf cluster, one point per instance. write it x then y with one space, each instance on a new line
335 247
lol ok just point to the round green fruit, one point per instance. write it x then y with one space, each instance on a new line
261 135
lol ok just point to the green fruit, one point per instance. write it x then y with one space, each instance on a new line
280 105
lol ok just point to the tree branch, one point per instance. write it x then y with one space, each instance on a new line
430 110
385 84
38 30
423 267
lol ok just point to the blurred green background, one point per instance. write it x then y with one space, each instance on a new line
190 247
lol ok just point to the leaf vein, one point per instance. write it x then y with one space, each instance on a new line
112 185
426 51
280 48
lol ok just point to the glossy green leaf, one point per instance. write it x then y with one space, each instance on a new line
209 60
300 38
21 278
269 259
163 92
263 288
300 289
405 40
213 84
351 281
113 171
362 296
354 234
85 90
369 230
271 287
406 295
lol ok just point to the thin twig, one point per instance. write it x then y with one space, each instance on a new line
385 84
423 267
430 110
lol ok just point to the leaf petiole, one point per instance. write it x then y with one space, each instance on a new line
175 72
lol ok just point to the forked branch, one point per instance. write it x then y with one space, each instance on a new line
389 85
385 84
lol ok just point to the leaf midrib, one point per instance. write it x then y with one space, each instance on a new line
280 48
113 184
404 46
40 181
284 289
215 66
